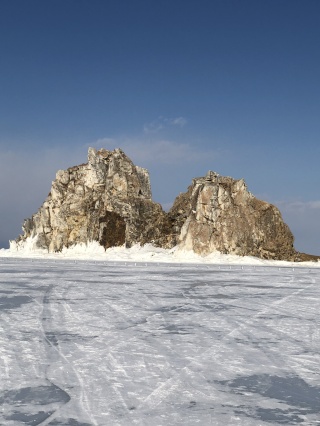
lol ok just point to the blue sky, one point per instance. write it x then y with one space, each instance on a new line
182 86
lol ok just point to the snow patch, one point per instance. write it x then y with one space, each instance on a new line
137 253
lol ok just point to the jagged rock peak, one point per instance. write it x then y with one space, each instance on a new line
107 199
115 168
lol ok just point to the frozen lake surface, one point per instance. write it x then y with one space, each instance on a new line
115 343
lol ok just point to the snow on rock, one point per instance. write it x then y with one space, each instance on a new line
139 254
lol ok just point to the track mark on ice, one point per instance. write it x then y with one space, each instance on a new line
52 344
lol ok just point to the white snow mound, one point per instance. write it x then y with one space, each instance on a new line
147 253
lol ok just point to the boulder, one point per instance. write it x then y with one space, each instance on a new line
219 214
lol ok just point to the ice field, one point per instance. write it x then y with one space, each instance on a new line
88 342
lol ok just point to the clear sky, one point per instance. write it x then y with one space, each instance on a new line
182 86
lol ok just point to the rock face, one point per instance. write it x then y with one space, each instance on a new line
109 200
106 200
219 214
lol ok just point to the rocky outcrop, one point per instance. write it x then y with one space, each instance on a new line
219 214
106 200
109 200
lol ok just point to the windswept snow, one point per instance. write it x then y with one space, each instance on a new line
147 253
86 342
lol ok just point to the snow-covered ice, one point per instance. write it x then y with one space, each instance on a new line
106 342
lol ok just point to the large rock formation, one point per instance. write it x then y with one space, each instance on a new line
106 200
109 200
219 214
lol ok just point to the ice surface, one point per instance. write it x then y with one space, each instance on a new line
140 343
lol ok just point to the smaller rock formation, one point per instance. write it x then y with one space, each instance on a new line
219 214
